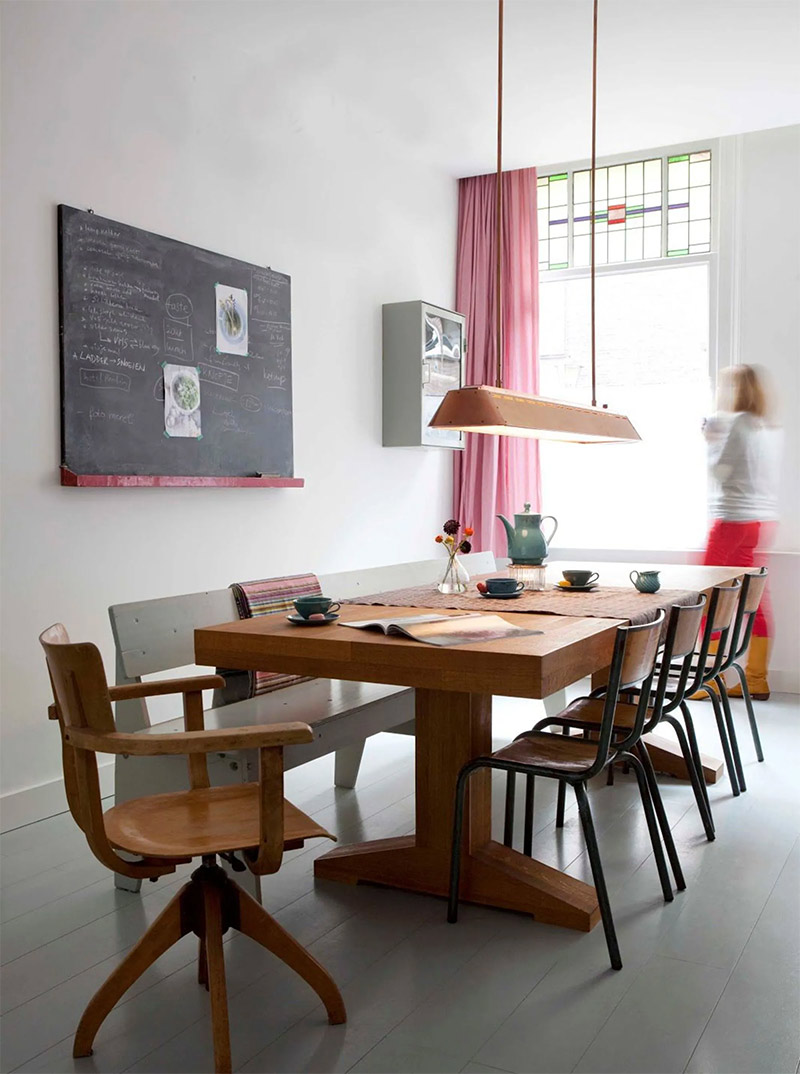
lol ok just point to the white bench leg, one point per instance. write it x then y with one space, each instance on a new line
347 764
555 703
127 883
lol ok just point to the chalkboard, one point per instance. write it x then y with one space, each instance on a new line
141 315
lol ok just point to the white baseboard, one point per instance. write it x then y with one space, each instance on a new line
44 800
784 682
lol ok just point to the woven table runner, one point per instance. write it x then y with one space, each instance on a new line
605 602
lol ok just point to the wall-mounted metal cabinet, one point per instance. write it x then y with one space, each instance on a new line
423 358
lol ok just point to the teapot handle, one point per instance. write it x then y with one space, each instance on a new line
636 579
544 518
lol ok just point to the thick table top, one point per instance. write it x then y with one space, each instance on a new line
569 648
532 666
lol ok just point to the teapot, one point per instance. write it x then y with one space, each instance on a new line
526 542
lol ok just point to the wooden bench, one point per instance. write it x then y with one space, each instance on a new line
156 636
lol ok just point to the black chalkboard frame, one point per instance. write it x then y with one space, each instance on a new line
68 476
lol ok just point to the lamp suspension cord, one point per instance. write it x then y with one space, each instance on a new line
499 201
592 210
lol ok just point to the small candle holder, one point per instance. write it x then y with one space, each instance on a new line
532 577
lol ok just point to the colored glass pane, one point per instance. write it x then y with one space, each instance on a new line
678 174
685 156
705 155
558 192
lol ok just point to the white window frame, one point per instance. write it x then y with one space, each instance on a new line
658 264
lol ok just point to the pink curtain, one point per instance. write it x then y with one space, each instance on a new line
498 474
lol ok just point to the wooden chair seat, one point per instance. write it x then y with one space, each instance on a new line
589 710
187 824
558 752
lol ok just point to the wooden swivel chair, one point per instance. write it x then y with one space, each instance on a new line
166 830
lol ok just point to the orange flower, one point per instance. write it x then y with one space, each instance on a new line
439 538
468 531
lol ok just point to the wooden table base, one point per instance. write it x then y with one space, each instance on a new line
666 756
453 728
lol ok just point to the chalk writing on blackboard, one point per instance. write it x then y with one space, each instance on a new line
132 301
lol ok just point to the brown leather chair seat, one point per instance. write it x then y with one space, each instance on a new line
559 752
590 710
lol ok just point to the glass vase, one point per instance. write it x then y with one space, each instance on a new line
455 577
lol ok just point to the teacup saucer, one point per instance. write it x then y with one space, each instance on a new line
576 588
298 620
502 596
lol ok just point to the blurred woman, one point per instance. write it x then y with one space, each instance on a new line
744 462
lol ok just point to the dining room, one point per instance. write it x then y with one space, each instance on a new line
401 553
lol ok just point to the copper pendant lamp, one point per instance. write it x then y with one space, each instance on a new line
498 411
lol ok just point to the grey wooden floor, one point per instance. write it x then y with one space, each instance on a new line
710 981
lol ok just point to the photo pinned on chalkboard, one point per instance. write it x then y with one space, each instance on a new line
231 319
181 400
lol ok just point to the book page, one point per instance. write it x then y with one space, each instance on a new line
401 621
466 630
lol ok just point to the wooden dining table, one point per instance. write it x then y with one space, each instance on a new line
453 705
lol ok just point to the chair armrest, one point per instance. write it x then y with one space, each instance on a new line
166 686
188 742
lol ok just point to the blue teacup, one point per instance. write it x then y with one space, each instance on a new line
497 586
646 581
307 606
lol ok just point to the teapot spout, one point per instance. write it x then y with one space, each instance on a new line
510 533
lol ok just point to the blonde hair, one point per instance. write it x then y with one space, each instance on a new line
743 390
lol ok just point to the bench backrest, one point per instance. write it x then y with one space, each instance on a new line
153 636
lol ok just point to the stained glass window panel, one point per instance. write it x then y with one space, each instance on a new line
628 209
689 200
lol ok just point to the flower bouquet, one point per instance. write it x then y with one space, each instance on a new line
455 576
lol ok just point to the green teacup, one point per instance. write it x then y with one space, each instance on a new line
307 606
646 581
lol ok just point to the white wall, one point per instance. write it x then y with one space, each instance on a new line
767 305
138 111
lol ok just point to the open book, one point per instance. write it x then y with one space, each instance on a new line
445 629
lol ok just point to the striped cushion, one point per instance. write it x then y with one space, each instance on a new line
266 597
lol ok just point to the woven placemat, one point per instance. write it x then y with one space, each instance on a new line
605 602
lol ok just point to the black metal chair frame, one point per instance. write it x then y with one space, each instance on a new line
741 636
705 677
665 700
606 752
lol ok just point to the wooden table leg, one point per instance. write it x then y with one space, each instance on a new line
453 728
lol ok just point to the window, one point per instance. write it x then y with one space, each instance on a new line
652 364
632 203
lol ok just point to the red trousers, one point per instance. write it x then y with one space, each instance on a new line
743 544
